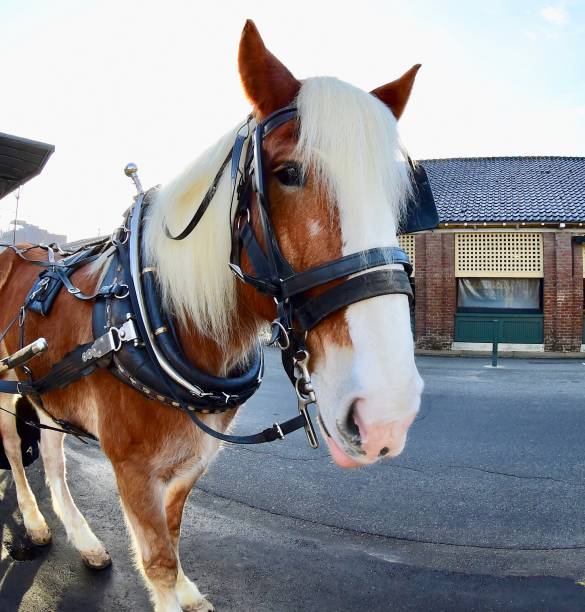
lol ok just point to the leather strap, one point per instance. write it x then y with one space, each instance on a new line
68 370
16 387
278 118
66 428
344 266
276 432
77 257
355 289
204 203
112 290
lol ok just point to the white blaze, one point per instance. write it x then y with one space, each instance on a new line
350 139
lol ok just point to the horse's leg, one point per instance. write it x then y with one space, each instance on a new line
176 495
34 522
92 551
142 496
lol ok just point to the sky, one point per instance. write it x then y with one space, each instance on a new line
108 82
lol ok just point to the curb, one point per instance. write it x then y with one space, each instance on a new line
501 355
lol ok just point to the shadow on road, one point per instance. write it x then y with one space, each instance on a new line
20 560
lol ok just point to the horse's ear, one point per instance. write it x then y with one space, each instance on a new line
267 82
395 94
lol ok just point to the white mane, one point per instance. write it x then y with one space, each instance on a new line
194 277
350 139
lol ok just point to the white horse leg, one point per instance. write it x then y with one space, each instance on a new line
92 551
34 522
189 596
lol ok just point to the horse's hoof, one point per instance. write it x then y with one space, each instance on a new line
201 606
97 561
40 537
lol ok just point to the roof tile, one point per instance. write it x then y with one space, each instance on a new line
528 189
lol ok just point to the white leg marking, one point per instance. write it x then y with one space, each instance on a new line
92 551
189 596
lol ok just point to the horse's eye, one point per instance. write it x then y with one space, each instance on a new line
290 175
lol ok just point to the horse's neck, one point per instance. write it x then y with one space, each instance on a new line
219 357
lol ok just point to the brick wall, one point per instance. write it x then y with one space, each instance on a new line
577 314
562 292
436 291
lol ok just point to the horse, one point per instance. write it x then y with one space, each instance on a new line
337 182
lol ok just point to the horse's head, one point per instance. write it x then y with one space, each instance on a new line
336 182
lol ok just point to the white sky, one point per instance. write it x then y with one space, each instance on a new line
156 82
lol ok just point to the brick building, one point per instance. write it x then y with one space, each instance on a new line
506 261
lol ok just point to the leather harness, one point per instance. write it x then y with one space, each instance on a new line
137 341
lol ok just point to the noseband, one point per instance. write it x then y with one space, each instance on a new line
271 273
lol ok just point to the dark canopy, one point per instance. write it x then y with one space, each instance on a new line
20 160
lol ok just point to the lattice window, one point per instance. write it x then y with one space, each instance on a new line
407 242
499 255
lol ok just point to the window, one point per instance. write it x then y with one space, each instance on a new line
503 295
407 244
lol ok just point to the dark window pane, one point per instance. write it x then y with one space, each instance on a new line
499 293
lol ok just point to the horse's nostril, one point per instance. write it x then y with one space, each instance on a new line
384 451
351 427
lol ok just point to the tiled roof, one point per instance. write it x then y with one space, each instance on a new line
514 189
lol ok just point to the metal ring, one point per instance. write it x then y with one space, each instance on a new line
278 324
307 394
114 237
303 352
116 339
123 295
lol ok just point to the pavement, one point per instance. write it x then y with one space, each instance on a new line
485 509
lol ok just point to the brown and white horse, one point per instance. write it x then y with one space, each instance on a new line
362 359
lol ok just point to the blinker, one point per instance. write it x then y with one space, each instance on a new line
421 211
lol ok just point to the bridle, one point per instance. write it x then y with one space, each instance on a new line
361 275
136 340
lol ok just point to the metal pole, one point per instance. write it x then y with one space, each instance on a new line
16 216
495 344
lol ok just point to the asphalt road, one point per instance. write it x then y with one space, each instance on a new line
485 510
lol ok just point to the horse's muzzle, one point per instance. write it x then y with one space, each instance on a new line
363 442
